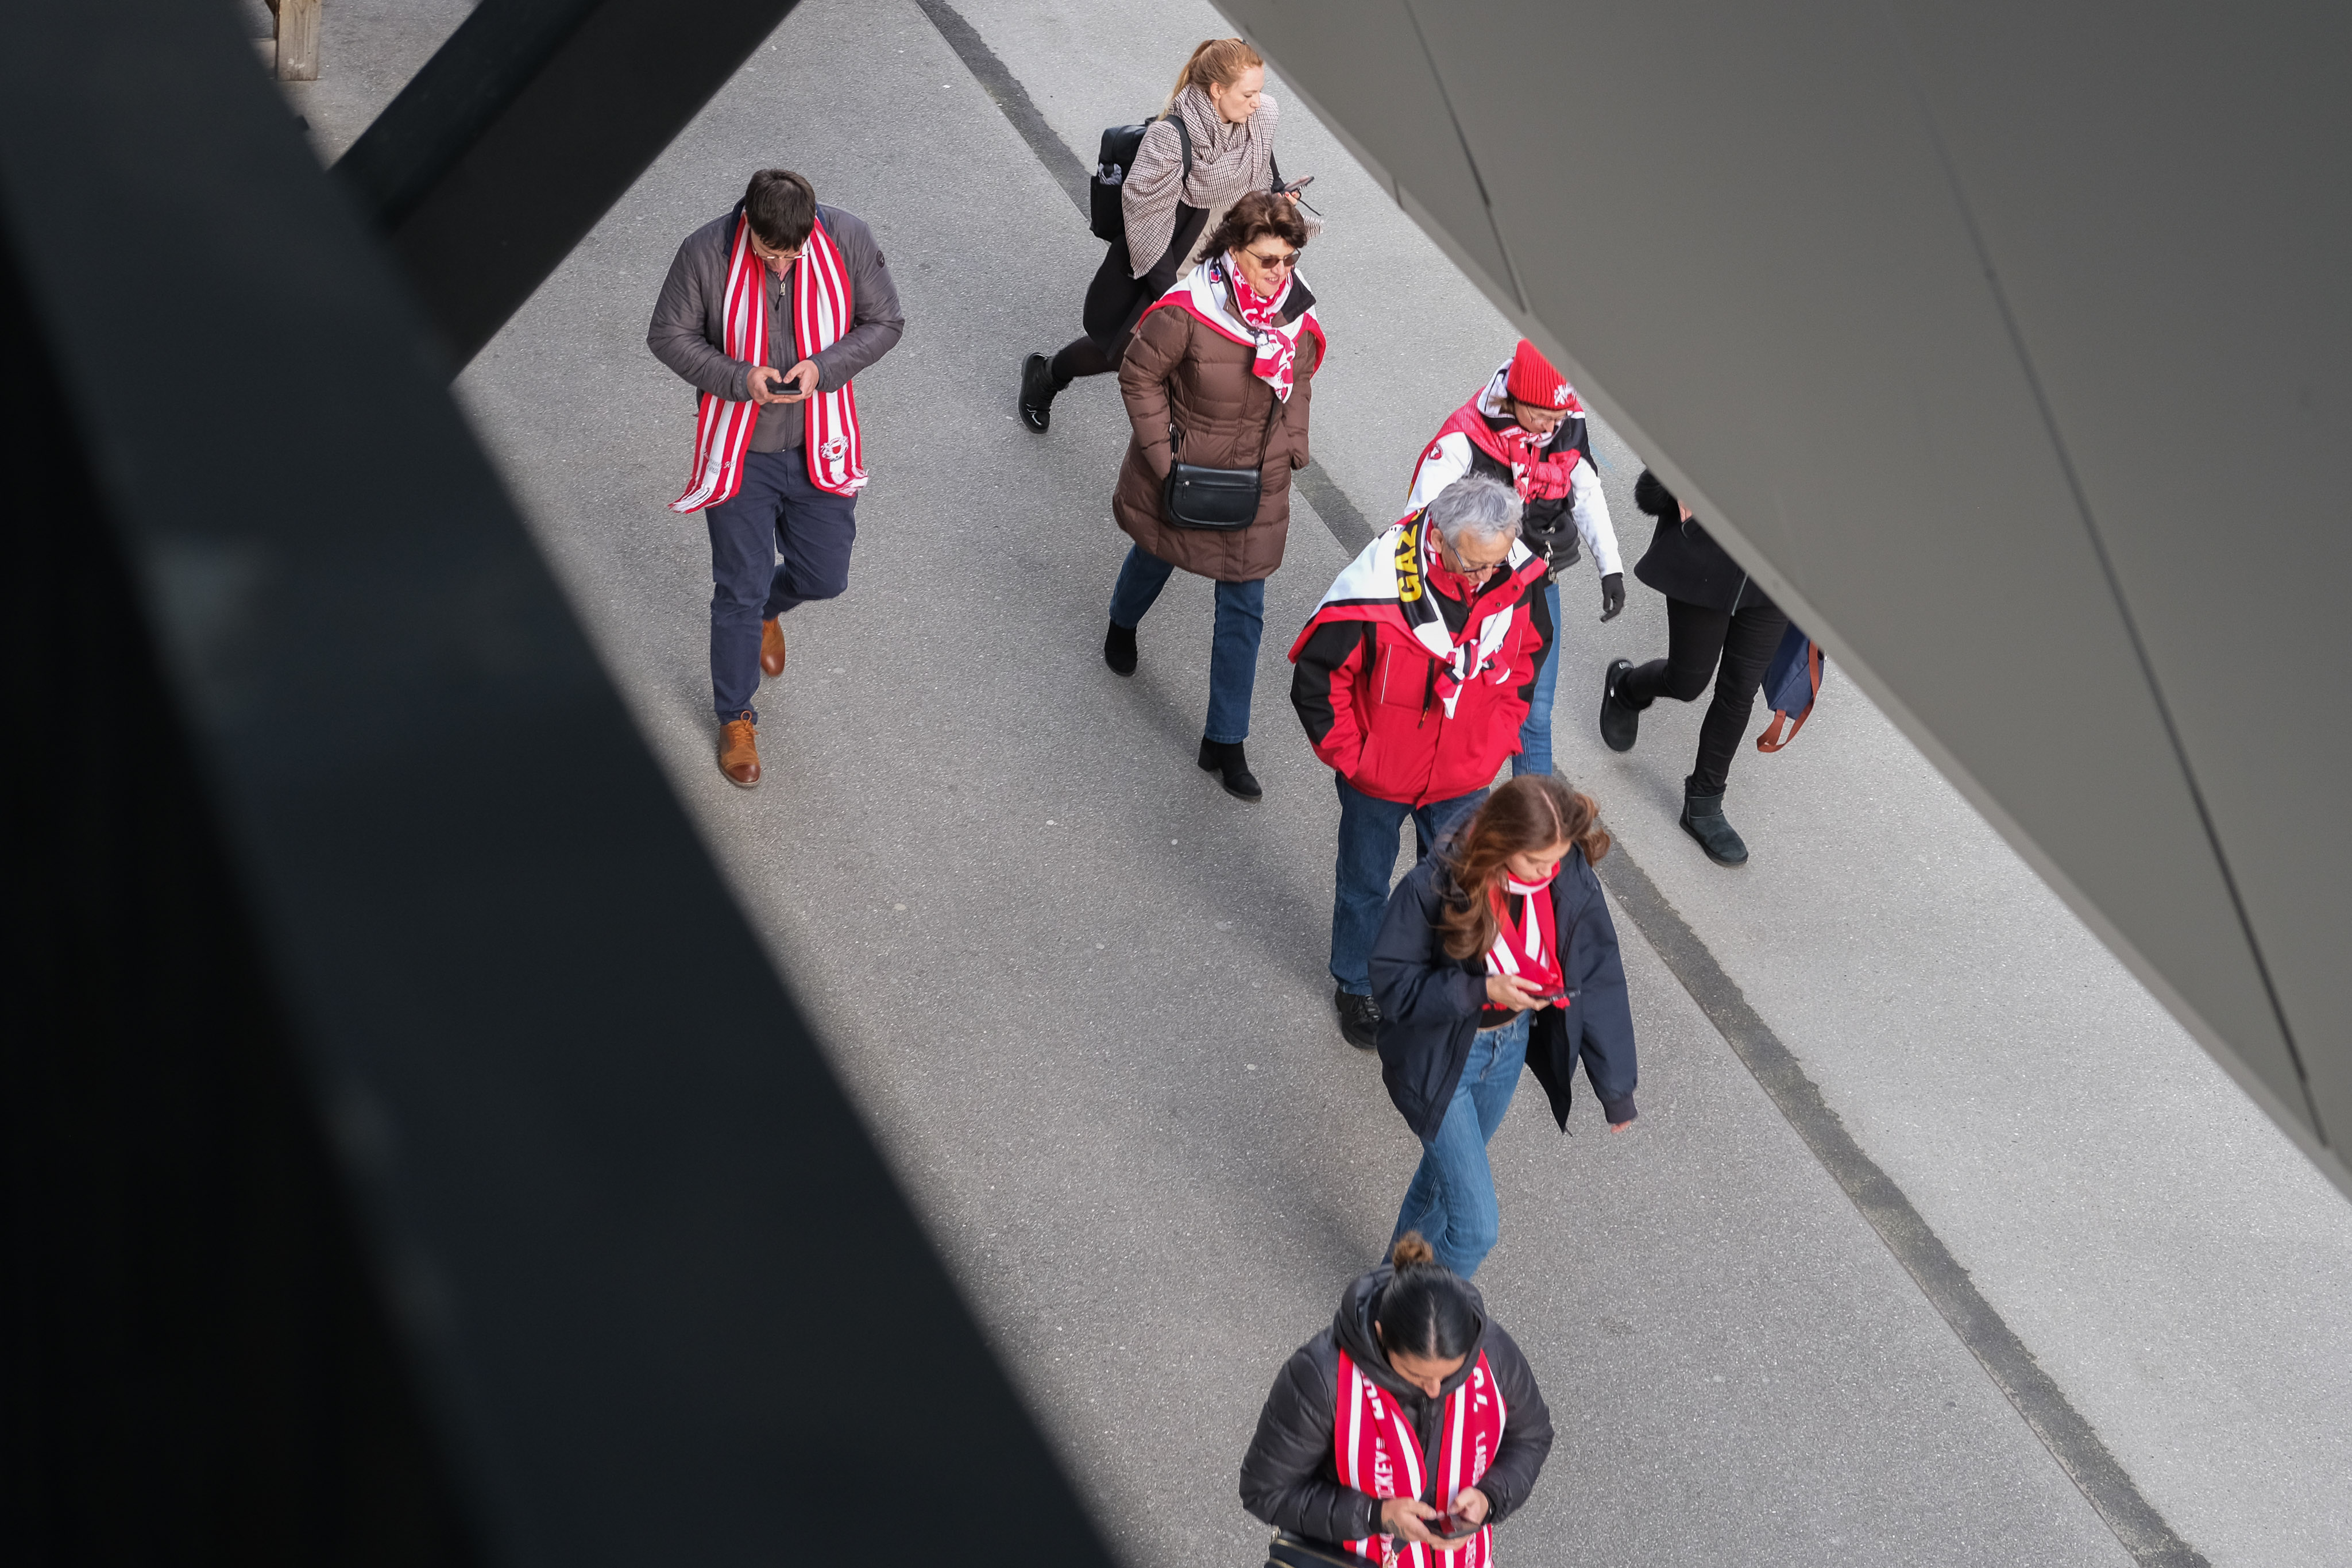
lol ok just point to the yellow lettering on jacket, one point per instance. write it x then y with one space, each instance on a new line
1408 563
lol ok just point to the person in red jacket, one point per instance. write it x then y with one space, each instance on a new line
1412 679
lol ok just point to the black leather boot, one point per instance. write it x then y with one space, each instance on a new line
1119 649
1038 391
1703 820
1360 1020
1225 758
1620 722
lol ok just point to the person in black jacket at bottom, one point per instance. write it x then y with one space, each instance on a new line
1411 1419
1720 627
1498 951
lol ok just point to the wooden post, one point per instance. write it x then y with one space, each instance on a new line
298 39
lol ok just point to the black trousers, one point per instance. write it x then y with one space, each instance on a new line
1731 648
1084 356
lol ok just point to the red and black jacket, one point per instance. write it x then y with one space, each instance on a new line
1368 690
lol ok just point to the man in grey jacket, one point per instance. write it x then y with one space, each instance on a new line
781 540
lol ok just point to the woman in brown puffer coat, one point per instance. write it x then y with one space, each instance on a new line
1219 376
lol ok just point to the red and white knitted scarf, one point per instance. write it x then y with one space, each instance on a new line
1379 1453
821 314
1529 946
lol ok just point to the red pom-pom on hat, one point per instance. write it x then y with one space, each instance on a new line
1534 381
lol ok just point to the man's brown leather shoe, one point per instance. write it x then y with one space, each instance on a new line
772 647
739 755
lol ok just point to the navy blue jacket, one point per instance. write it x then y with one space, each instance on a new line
1430 1003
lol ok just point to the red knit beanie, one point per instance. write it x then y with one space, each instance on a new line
1534 381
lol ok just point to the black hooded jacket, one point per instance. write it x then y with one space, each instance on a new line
1290 1478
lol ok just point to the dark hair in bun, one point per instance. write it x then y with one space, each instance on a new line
1426 1309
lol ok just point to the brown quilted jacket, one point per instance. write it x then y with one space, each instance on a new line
1181 373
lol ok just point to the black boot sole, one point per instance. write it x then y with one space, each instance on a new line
1227 785
1709 850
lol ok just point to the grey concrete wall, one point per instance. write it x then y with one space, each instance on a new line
2006 347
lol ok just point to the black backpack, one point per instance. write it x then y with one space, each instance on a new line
1105 216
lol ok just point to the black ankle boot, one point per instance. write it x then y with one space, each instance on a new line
1037 390
1360 1020
1225 758
1703 820
1621 722
1119 649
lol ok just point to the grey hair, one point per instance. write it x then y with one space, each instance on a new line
1474 504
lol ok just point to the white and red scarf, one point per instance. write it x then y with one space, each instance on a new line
1216 297
1391 577
1529 946
821 314
1379 1453
1542 466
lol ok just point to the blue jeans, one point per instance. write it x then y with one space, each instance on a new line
1535 734
778 512
1452 1199
1233 651
1367 852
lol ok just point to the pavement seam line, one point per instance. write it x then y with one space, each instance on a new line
2036 1396
2071 1440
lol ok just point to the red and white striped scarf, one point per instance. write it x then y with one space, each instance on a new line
821 314
1379 1453
1528 947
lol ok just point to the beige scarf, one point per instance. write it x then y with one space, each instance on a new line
1228 162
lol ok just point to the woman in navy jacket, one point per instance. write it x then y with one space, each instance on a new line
1498 951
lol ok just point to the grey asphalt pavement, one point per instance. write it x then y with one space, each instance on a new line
1080 995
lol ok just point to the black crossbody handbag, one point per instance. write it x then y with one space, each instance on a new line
1216 499
1288 1550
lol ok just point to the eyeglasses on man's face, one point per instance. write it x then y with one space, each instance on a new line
1463 566
764 253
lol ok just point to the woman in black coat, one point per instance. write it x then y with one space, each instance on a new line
1412 1356
1720 627
1498 951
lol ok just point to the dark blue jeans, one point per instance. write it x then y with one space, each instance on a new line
1367 852
1233 651
1535 734
778 512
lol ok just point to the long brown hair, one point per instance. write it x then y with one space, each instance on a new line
1218 61
1534 811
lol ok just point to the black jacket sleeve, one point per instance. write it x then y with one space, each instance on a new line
1286 1478
1597 968
1527 1428
1412 979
